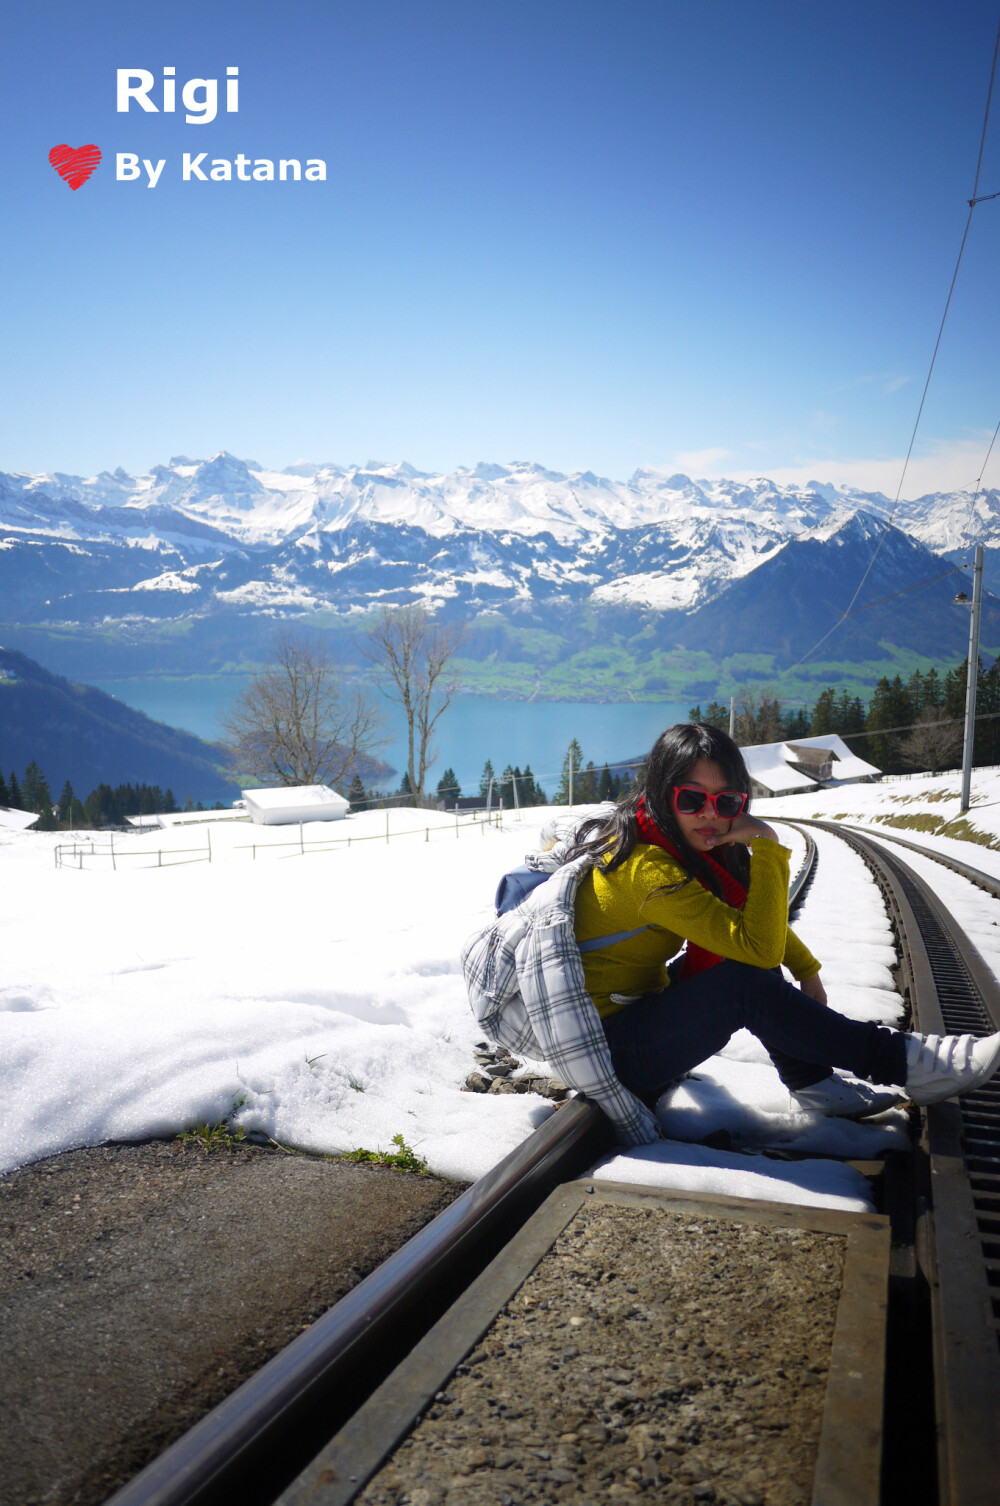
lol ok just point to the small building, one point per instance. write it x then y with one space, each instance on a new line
810 763
289 804
15 820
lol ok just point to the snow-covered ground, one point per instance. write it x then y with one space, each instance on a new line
317 997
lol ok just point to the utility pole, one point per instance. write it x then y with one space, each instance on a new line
732 716
569 759
972 678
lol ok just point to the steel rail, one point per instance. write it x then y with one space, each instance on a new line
801 881
244 1449
951 989
965 870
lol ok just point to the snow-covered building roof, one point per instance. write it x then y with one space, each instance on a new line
15 820
786 768
163 820
286 804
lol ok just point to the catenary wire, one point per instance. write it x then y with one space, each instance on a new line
972 202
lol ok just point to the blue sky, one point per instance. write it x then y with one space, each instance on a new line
713 236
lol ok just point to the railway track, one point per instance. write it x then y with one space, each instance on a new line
257 1446
964 870
951 990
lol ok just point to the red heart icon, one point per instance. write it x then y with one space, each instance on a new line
75 163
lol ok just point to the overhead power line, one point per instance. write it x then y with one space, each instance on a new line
972 202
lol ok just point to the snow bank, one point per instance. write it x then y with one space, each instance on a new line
317 998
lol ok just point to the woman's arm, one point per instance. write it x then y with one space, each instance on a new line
814 988
754 934
744 829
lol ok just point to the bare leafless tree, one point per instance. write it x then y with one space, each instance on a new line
413 651
758 716
934 743
298 722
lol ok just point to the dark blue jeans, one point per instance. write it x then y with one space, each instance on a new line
664 1035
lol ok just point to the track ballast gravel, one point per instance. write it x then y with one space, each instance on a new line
651 1353
140 1284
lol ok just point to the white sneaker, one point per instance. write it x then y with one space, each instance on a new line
838 1098
939 1066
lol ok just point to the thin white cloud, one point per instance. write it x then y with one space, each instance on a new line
883 379
945 467
702 461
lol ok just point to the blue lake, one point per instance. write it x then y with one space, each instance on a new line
472 729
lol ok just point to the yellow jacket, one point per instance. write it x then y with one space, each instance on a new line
624 899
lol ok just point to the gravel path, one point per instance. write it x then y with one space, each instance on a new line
140 1284
650 1352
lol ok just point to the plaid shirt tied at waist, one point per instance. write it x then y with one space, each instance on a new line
524 976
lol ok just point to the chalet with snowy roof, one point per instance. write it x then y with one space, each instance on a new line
288 804
809 763
15 820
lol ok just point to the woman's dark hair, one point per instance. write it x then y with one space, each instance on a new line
671 761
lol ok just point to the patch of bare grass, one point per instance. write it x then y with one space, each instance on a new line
937 826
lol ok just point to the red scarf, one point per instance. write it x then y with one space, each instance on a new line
696 958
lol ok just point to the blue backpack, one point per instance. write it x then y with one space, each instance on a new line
515 886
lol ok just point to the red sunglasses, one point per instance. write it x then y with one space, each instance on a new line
689 800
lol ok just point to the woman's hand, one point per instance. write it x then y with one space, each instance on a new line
814 988
743 828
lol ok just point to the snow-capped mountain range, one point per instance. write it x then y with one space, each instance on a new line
224 537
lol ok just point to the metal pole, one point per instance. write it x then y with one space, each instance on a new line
972 678
569 760
732 716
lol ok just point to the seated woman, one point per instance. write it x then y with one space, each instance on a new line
683 861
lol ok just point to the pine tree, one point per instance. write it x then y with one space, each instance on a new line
796 725
169 804
448 787
485 777
35 789
890 706
99 806
65 803
14 789
954 689
405 788
532 794
823 715
986 747
574 760
4 792
588 784
917 693
715 715
356 793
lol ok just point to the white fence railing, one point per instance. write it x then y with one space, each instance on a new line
979 768
81 854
